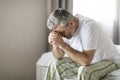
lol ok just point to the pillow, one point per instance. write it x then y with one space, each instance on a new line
45 58
118 47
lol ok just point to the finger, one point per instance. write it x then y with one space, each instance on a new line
51 42
53 35
51 39
55 32
54 43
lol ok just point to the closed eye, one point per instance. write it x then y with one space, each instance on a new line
62 34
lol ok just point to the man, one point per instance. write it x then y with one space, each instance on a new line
90 53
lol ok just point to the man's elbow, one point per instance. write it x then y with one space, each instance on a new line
59 58
85 63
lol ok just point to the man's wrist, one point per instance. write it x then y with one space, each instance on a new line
54 46
63 45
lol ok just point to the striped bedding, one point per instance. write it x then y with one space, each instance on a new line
66 69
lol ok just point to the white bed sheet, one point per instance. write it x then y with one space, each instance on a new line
115 75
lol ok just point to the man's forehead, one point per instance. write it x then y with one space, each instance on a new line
60 26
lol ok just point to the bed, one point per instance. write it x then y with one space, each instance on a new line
42 65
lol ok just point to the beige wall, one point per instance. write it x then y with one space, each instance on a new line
23 37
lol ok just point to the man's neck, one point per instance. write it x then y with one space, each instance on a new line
77 24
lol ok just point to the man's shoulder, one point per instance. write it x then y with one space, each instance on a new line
84 18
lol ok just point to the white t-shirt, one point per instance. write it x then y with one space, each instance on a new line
89 36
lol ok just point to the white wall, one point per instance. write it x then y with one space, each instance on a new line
23 37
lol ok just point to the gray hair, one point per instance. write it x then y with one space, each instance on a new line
59 16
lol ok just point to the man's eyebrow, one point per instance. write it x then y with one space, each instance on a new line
54 27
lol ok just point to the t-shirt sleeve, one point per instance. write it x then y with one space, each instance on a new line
90 35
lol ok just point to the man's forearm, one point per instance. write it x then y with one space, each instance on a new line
78 57
57 52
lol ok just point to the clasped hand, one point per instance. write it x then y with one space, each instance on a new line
55 39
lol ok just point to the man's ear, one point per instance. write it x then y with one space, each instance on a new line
71 23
